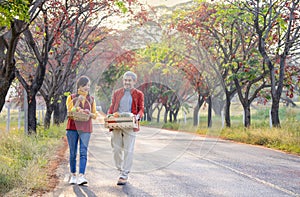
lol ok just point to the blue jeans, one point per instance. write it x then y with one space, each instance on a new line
73 138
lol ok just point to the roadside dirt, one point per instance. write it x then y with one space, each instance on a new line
53 165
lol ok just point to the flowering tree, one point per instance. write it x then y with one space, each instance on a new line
279 21
14 18
213 50
60 39
246 67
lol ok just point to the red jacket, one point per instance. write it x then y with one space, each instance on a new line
137 106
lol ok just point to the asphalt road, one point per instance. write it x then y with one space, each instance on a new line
170 163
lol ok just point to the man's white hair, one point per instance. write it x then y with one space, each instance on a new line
130 74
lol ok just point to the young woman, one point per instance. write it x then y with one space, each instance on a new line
80 131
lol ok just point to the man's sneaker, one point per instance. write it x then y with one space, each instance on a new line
81 180
122 181
73 179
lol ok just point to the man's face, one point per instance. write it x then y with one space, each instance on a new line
128 82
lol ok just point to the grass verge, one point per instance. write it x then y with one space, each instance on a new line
25 167
286 138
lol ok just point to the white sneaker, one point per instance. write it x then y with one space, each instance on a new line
73 179
81 180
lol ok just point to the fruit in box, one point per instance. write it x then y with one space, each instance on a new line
126 114
120 115
110 115
116 114
123 121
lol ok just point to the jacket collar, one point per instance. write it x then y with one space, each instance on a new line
131 90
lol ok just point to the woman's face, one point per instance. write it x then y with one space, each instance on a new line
85 88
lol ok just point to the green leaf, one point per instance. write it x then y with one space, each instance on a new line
67 93
121 6
11 9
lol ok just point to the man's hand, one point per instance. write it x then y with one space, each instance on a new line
137 117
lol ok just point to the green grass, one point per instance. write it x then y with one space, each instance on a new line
285 138
24 159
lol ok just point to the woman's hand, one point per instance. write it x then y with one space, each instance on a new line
87 111
80 98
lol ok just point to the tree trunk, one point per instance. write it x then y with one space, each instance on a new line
247 115
227 111
150 113
31 114
56 114
276 93
196 110
175 114
158 113
4 87
62 110
209 115
8 44
170 116
275 113
195 114
166 115
148 116
47 119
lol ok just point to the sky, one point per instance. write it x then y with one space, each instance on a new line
169 3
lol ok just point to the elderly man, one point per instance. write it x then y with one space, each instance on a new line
126 99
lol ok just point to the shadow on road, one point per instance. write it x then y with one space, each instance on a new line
113 190
83 191
130 190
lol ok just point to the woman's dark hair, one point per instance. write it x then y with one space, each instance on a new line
82 81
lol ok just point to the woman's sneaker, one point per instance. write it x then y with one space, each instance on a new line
73 179
81 180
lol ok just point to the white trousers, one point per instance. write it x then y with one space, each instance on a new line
122 142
